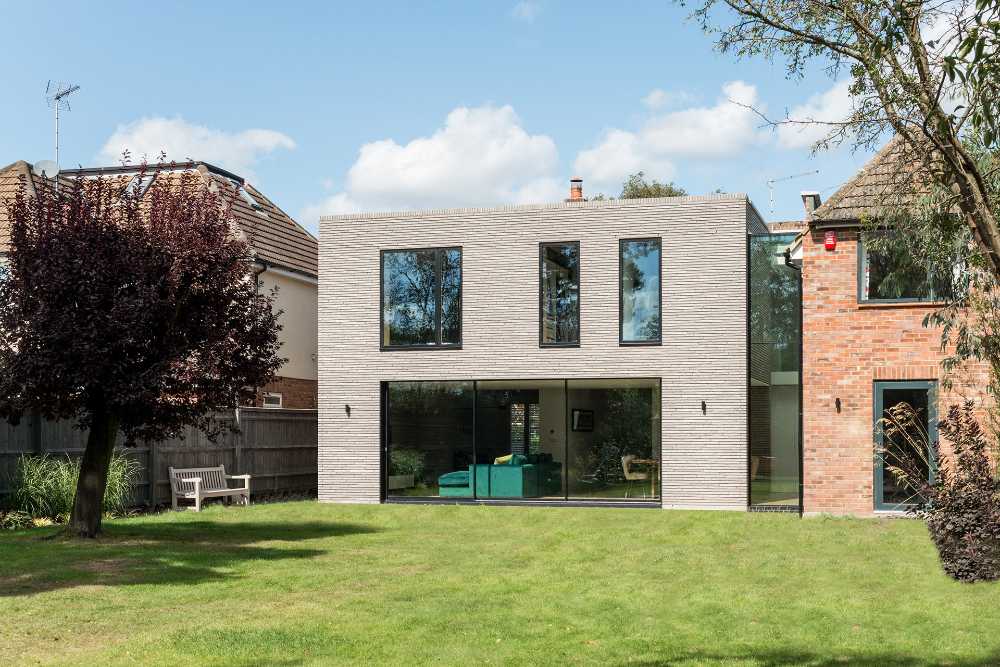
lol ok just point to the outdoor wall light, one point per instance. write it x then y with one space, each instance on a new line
837 402
704 408
347 410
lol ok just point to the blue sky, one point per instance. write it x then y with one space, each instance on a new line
331 107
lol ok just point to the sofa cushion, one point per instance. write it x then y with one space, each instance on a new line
457 478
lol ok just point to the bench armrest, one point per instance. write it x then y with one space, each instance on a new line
237 476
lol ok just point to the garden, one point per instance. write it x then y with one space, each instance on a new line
309 583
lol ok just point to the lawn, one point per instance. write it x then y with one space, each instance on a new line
305 583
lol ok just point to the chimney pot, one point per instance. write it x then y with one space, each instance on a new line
811 201
575 189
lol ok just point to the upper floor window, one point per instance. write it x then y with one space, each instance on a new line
559 294
422 298
892 275
639 291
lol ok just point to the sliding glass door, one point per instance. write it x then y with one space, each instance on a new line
519 437
428 429
523 439
613 439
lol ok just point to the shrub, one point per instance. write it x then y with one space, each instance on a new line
406 462
15 520
961 505
44 486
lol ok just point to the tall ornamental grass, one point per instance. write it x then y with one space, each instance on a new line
44 486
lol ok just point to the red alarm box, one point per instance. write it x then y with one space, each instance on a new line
830 240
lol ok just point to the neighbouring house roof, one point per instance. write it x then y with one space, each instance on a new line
10 180
892 177
787 226
272 234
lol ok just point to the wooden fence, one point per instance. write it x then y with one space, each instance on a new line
276 447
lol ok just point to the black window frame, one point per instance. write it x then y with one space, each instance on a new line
862 299
621 295
541 296
566 499
439 264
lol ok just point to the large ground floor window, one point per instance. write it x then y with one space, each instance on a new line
774 379
523 439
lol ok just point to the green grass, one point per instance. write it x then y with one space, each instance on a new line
305 583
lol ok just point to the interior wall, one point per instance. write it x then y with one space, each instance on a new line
784 441
552 420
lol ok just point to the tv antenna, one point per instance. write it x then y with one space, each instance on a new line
58 96
771 182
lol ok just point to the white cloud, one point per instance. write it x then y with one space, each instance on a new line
482 156
238 152
526 11
694 133
661 99
809 120
619 154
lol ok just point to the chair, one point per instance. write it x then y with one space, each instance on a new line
633 475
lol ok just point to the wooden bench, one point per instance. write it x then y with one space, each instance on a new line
200 483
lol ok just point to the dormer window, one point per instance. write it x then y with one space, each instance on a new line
249 198
138 184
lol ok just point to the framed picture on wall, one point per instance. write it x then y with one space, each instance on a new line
582 420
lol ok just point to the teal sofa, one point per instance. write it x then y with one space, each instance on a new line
531 476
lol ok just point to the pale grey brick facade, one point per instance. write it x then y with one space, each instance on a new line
703 356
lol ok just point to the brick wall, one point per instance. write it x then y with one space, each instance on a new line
296 394
703 356
846 347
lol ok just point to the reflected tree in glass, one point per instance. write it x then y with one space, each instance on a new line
560 293
640 290
421 297
451 296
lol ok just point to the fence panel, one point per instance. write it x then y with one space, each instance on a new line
276 447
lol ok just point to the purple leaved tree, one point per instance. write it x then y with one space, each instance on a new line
133 314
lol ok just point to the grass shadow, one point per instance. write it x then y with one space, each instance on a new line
777 657
156 552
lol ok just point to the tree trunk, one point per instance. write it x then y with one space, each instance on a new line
89 502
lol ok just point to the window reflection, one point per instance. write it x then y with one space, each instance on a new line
421 297
560 289
640 290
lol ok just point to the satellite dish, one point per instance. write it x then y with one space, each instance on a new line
46 169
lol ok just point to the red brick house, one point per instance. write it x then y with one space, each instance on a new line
864 347
284 256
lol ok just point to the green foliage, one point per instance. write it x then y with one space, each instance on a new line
624 428
406 462
927 243
637 187
974 65
45 486
961 505
15 520
907 63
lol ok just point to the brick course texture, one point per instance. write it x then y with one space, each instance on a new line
846 347
296 394
703 356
